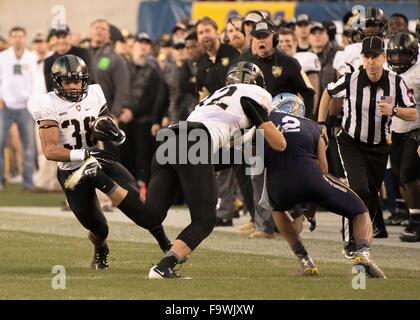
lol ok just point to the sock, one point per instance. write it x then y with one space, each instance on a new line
99 244
415 216
159 234
170 260
299 249
362 246
104 183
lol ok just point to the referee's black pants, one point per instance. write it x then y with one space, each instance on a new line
365 167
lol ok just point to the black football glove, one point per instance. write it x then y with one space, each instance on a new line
105 128
254 111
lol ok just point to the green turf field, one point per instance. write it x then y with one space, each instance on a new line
14 196
28 258
225 266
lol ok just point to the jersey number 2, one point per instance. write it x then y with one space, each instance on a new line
291 124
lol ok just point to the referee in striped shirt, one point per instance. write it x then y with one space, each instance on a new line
373 96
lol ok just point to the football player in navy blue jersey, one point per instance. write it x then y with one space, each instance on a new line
299 174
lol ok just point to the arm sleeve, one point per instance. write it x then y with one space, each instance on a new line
338 89
405 97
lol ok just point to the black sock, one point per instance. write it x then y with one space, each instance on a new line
99 244
299 249
170 260
159 234
415 218
104 183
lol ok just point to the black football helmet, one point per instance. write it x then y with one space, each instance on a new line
245 72
402 52
373 17
70 67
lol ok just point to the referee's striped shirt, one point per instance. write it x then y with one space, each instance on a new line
361 119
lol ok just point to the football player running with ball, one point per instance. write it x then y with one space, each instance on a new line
70 120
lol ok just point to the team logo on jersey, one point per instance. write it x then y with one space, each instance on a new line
225 62
78 108
276 70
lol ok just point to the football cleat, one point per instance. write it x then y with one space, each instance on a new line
88 169
372 270
168 273
349 250
411 233
100 259
308 267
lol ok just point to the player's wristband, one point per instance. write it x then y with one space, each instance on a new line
79 154
321 123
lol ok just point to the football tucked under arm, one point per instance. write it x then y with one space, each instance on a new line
105 128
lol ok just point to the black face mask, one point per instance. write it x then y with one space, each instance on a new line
401 60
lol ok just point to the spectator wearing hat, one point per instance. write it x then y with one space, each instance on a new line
118 41
303 27
291 24
171 75
331 29
308 60
179 32
147 96
40 46
45 176
326 51
165 49
111 71
188 74
282 73
63 46
191 26
248 24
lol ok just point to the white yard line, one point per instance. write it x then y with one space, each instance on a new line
328 224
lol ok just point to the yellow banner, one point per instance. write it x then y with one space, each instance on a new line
220 11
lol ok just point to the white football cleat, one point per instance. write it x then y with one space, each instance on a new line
87 169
